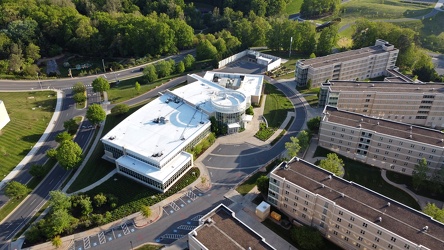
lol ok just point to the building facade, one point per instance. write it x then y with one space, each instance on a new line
381 143
413 103
349 215
364 63
4 117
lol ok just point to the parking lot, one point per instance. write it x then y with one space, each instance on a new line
185 199
104 236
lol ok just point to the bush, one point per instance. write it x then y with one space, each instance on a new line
307 238
264 133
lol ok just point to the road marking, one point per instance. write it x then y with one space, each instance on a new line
32 201
258 166
211 174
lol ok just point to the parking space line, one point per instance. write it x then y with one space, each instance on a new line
182 200
125 229
165 211
174 206
197 217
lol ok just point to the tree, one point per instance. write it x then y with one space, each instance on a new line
59 200
79 87
137 86
327 40
434 211
16 190
307 238
95 114
120 109
262 184
70 125
150 73
146 211
79 97
293 147
100 199
304 139
205 50
180 67
312 55
56 241
60 221
314 123
86 205
51 153
188 62
163 68
64 136
333 164
419 176
38 171
316 8
100 84
69 154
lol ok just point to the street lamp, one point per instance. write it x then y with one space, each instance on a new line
39 81
131 245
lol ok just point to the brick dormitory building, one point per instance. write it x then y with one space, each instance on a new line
381 143
349 215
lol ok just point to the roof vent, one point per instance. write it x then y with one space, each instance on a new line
373 85
329 177
209 221
410 136
388 204
194 233
358 84
379 219
377 123
425 228
433 89
417 88
411 128
359 125
322 186
442 140
342 195
362 119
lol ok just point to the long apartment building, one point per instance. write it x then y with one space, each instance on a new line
414 103
364 63
349 215
381 143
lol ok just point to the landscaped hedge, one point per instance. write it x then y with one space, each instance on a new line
264 132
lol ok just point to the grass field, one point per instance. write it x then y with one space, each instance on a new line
382 9
96 167
370 177
276 106
30 113
293 7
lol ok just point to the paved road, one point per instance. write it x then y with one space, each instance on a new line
55 178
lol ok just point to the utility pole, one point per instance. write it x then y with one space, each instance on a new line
39 81
103 63
291 41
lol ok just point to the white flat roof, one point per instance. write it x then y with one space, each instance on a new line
162 175
142 137
250 86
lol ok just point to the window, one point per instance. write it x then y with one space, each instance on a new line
407 246
307 196
286 199
285 205
390 246
350 225
341 213
347 232
433 150
333 133
358 245
306 203
288 186
364 224
388 146
403 170
374 246
346 238
392 167
305 209
379 232
352 218
337 226
360 238
399 149
335 233
286 192
362 232
390 140
393 239
339 219
376 239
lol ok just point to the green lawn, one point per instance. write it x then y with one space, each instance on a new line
293 7
150 247
382 9
30 113
276 106
96 167
249 184
125 89
370 177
